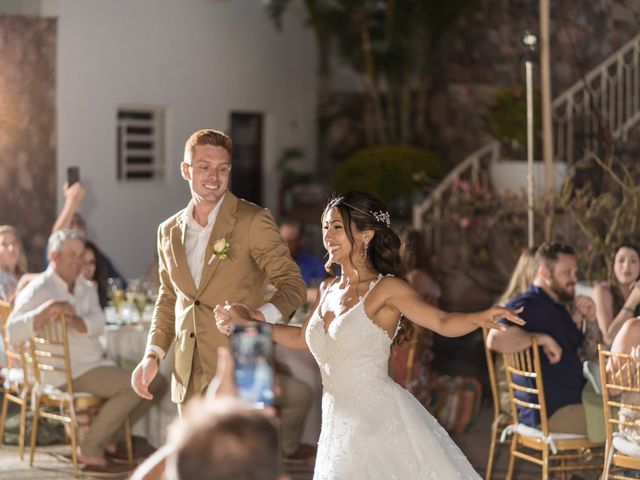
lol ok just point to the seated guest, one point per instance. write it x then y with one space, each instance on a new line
219 438
311 267
70 219
618 301
62 290
13 263
559 337
94 269
628 341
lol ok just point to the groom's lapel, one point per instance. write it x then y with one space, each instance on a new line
182 276
225 221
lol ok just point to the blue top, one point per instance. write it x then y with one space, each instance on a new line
563 381
311 267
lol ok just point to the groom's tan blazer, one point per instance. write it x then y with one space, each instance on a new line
184 311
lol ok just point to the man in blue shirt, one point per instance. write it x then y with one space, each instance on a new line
548 319
311 267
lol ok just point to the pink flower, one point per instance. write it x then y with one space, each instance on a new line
455 183
464 223
465 186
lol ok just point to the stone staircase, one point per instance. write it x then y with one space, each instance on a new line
599 109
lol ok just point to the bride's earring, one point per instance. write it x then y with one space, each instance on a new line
365 250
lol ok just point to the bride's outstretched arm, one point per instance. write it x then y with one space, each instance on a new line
401 297
288 336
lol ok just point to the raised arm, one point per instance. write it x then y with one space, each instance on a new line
73 195
401 297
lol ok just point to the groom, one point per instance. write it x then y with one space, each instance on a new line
220 248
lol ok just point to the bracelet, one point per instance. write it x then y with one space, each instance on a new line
628 310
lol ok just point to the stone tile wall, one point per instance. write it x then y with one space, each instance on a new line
27 130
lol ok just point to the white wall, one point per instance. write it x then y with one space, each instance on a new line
201 59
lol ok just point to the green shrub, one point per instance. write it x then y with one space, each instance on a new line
507 117
388 171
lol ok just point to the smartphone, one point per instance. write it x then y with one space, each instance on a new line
252 351
73 175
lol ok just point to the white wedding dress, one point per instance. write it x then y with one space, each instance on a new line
371 427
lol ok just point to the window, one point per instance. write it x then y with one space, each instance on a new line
140 143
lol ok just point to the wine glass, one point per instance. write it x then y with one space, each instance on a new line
116 292
140 301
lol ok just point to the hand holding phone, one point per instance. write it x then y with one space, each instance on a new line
252 351
73 175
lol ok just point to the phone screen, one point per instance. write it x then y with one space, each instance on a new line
253 357
73 175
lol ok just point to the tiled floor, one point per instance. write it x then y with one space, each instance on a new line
50 462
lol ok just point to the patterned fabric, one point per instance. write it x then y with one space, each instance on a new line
371 427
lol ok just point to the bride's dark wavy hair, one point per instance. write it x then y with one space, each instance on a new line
359 209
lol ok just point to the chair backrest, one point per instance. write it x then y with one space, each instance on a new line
524 375
14 356
619 373
491 367
50 351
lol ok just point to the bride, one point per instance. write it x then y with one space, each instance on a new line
371 427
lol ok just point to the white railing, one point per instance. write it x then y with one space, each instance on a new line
469 169
606 100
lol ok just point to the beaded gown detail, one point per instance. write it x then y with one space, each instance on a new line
371 427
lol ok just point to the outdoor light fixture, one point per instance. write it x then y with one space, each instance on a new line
529 40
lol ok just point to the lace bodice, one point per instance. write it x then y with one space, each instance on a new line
353 352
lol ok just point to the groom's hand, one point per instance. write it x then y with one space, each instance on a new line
143 375
248 314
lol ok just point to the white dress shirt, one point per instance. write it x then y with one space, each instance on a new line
84 348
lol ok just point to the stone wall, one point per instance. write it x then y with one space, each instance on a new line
483 54
27 130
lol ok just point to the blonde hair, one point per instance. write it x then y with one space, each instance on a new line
21 267
215 138
522 275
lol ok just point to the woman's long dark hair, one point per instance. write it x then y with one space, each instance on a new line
100 273
366 212
616 288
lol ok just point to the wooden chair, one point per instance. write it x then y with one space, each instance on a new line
552 451
500 418
619 373
16 387
50 353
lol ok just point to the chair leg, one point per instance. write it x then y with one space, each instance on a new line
512 458
73 433
492 451
127 439
34 429
545 463
3 416
23 426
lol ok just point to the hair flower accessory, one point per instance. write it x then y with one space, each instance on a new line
220 249
382 217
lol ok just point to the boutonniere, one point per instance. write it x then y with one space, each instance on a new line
220 249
